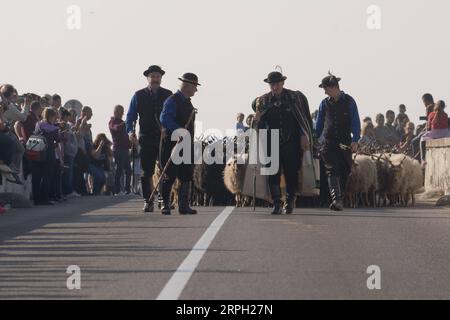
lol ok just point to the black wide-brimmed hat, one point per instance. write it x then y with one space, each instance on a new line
275 77
154 69
329 81
190 78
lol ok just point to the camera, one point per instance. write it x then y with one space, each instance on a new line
423 118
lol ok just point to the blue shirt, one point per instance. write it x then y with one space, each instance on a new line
354 118
240 126
132 115
169 113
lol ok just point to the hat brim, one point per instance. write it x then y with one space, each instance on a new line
323 86
147 72
270 82
189 81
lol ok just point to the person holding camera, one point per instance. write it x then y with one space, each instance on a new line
12 114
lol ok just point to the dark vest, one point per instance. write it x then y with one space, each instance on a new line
337 128
280 115
184 109
149 109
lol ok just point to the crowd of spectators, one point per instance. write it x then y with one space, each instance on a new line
53 147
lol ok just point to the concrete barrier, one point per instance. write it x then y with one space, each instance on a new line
437 172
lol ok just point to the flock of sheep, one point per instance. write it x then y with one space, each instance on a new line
376 180
381 179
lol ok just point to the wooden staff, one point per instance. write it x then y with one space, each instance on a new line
169 162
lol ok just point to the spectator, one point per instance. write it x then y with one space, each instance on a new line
438 123
81 162
11 114
56 102
121 147
408 136
43 171
401 119
367 119
392 135
29 125
240 123
70 145
99 162
368 138
249 120
6 143
381 134
24 130
428 102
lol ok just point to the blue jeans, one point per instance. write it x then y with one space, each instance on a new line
67 176
122 161
99 178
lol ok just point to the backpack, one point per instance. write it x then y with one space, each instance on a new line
36 148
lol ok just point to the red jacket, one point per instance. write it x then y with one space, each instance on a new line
442 123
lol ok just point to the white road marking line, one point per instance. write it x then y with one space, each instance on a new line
179 280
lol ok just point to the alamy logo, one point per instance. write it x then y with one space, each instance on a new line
374 19
374 281
74 280
250 147
73 21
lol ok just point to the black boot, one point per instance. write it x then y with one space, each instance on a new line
276 196
183 200
166 192
290 204
149 206
337 203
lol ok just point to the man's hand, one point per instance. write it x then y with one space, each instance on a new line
354 147
304 142
133 139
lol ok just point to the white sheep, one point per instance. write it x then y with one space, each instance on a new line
363 180
233 178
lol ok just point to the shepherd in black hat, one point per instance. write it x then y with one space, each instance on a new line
288 112
147 105
178 113
338 125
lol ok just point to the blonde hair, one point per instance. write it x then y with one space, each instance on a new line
48 114
367 126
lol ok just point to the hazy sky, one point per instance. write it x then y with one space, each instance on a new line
231 45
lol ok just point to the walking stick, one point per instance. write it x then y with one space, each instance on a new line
169 162
133 159
254 173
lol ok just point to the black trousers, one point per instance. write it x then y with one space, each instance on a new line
80 166
337 162
184 172
290 161
42 175
148 154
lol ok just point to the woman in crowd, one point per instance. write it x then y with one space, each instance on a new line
368 140
100 156
43 171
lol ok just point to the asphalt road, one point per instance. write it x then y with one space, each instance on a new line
223 253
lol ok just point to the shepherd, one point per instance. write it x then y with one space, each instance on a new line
147 104
178 113
339 126
288 112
